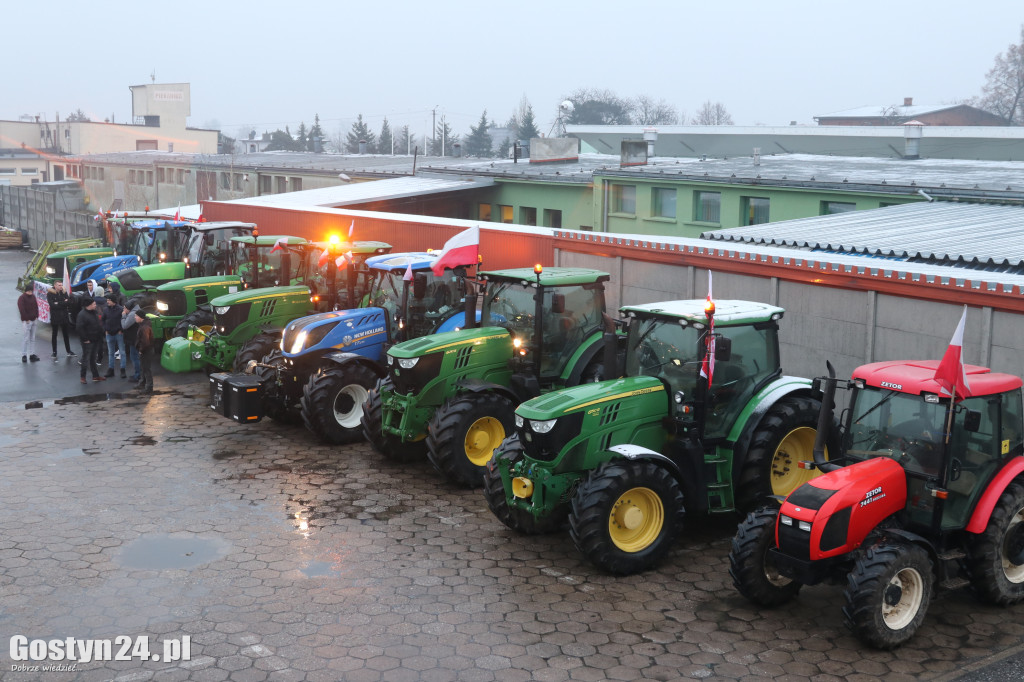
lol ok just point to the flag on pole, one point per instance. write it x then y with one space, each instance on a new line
323 258
67 278
950 374
177 214
280 244
407 277
462 249
351 227
707 367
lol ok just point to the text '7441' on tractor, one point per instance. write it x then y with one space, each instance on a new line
618 459
923 492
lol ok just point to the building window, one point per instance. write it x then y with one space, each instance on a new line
833 207
707 207
755 210
296 184
505 212
552 218
663 202
149 178
100 172
264 184
29 171
159 176
225 180
181 176
527 215
282 184
238 182
131 177
624 199
485 212
8 171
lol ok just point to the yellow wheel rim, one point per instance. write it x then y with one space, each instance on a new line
636 519
483 436
796 447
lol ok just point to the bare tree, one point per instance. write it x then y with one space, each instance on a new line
712 114
598 107
892 115
78 115
1003 92
648 112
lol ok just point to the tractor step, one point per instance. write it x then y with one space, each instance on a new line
722 510
952 554
954 583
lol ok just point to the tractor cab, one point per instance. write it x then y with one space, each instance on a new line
145 241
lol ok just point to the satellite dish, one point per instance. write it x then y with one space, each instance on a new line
567 106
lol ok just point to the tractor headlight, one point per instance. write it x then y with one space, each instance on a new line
222 309
391 361
300 341
407 363
51 270
785 520
520 421
804 526
542 426
161 306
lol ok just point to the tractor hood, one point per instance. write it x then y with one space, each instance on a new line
591 397
250 295
153 275
449 341
100 268
200 282
341 329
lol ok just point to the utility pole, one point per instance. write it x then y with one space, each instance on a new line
433 126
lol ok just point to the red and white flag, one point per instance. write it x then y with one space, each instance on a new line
343 260
67 278
407 277
950 374
462 249
707 367
280 244
351 227
324 257
177 214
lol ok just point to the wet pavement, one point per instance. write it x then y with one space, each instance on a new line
284 559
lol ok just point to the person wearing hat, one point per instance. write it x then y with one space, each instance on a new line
144 342
114 334
28 307
90 332
60 316
131 334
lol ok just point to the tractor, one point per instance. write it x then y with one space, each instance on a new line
145 241
329 361
618 459
925 491
453 395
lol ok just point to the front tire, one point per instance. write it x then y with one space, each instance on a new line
386 444
333 401
276 402
203 319
997 555
887 594
752 569
464 433
255 349
506 455
626 515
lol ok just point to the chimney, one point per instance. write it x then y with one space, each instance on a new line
908 101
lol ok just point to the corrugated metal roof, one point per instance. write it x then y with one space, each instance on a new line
363 192
969 235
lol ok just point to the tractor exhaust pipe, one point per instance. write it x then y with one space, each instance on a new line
825 418
611 349
470 310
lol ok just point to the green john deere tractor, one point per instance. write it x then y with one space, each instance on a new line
454 394
618 459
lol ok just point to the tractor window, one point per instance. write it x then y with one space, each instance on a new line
442 297
511 306
140 245
216 258
664 349
898 425
571 314
386 292
754 357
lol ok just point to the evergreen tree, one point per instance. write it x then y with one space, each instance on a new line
384 142
300 136
527 129
281 140
315 141
444 141
360 131
406 141
478 142
504 148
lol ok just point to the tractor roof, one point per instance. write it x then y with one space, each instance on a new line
550 277
269 239
727 312
221 224
918 376
400 261
152 224
80 252
357 248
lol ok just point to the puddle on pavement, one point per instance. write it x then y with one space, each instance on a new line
142 440
319 569
8 440
166 551
99 398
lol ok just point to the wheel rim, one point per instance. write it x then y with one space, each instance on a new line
796 447
636 519
771 572
902 598
483 436
348 405
1013 549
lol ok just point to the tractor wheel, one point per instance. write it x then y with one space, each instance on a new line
997 557
197 318
507 454
386 444
463 434
255 349
626 515
752 569
887 594
333 399
784 438
275 399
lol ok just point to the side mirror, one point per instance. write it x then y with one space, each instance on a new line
208 239
419 287
972 421
723 349
557 304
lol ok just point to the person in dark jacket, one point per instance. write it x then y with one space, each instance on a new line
144 342
60 317
114 335
29 310
90 332
115 289
131 335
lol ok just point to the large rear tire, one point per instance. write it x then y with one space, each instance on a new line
255 348
507 454
203 319
783 438
333 401
276 402
752 569
388 445
996 560
887 594
464 433
626 515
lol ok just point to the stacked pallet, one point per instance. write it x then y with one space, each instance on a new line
9 239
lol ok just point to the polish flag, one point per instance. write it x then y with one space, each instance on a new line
323 258
280 244
177 214
950 374
462 249
707 367
67 278
407 277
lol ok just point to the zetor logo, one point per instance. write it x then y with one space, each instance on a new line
872 496
889 384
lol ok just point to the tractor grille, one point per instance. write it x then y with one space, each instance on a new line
795 542
608 414
545 447
235 316
412 381
462 357
175 301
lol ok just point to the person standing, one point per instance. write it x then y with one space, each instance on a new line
114 335
144 342
60 317
29 309
90 332
131 335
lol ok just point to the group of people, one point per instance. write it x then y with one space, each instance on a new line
104 322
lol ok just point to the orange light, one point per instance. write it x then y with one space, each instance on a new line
479 258
334 240
316 299
709 308
538 268
147 209
255 232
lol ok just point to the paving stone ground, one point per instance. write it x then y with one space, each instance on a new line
284 559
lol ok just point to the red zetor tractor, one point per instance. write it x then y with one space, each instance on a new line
926 492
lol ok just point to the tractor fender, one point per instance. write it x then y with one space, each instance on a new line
640 453
988 500
472 385
342 359
589 349
758 407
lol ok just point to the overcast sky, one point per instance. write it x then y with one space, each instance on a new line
263 65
